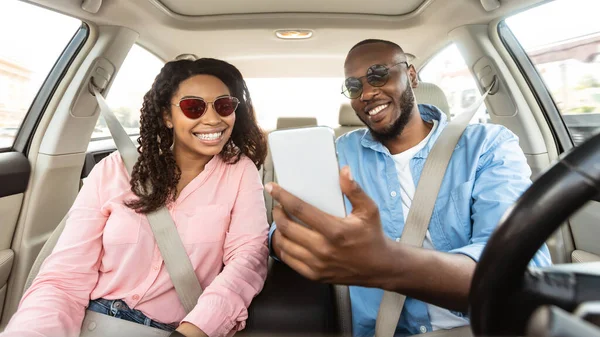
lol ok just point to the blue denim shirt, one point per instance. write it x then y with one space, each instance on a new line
486 174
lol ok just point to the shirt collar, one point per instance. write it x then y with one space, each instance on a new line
428 114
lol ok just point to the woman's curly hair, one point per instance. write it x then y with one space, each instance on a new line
156 174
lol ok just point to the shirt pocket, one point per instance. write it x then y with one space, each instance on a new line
450 225
461 199
122 226
205 224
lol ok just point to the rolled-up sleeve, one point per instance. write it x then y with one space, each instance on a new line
502 176
223 306
55 303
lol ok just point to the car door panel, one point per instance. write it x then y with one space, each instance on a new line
14 178
55 178
14 173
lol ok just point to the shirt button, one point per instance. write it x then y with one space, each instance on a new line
423 329
397 239
393 194
136 297
156 267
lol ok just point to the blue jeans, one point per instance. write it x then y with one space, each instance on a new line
119 309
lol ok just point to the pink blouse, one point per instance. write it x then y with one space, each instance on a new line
108 251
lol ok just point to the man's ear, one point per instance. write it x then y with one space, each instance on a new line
167 120
414 77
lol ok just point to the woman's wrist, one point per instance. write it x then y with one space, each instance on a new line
186 329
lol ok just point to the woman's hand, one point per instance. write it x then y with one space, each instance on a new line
190 330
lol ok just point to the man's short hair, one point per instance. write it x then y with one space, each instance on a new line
370 41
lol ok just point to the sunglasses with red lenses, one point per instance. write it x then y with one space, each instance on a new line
195 107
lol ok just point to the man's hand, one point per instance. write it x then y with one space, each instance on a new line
354 250
347 250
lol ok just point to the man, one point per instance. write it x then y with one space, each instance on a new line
380 169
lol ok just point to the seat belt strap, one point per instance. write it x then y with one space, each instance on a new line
177 262
422 206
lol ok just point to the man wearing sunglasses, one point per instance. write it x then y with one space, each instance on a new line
381 166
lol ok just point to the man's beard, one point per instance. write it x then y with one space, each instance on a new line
407 103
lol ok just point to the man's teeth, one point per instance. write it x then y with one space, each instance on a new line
377 109
209 136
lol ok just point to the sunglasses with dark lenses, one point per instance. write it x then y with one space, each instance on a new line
195 107
377 76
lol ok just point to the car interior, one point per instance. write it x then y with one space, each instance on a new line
544 54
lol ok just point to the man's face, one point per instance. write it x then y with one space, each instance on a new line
386 109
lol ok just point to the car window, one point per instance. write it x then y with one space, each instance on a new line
125 97
296 97
564 47
448 70
27 54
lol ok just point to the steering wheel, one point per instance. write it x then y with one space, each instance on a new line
498 280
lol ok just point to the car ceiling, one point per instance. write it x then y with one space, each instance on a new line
243 32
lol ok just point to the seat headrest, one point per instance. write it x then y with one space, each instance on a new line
348 117
295 122
425 93
429 93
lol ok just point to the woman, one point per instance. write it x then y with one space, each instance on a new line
200 147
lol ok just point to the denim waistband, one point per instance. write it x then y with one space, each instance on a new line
120 309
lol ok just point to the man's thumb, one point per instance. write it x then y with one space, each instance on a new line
358 198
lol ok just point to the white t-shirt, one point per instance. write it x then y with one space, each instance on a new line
440 318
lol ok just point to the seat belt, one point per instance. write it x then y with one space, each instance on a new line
421 209
169 243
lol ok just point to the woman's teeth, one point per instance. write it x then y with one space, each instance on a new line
209 136
377 110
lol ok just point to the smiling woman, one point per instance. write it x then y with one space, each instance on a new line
200 149
177 124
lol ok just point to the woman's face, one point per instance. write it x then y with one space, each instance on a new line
204 136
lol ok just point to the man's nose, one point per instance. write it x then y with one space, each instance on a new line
369 92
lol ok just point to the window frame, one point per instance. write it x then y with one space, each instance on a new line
560 131
451 95
433 55
136 134
24 136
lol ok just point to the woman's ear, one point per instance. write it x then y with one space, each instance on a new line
167 120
